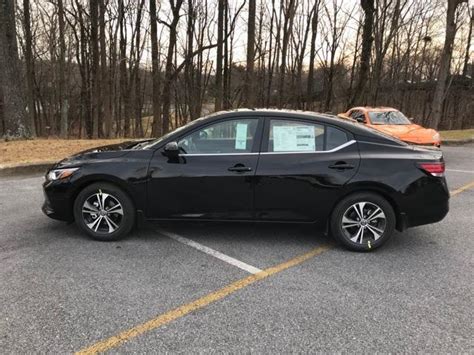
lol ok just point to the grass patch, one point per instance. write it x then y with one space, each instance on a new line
45 150
457 134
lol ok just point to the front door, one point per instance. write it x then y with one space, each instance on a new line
213 178
302 169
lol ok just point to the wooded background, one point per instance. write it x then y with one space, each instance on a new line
134 68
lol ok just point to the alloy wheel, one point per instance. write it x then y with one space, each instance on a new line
363 222
102 212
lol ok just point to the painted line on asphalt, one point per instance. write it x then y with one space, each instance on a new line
461 171
217 254
183 310
462 188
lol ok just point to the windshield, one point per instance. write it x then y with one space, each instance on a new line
149 144
388 117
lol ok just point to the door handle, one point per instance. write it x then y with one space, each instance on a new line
239 168
341 166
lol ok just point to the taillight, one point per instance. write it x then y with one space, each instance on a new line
435 169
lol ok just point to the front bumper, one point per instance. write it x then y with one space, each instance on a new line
58 200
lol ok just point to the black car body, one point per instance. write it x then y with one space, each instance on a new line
267 169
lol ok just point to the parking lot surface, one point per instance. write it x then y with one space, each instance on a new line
198 287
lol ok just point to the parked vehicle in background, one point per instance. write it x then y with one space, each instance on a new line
391 121
255 165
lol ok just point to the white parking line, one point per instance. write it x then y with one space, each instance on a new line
461 171
217 254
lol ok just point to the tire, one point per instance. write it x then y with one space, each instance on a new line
371 231
104 212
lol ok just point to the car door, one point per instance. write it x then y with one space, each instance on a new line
302 169
213 176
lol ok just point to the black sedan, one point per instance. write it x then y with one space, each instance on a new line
255 165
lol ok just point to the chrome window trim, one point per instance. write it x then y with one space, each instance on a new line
342 146
213 154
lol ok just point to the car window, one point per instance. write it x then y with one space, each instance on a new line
388 117
357 114
335 137
298 136
231 136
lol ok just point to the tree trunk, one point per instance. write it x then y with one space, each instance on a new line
367 40
220 36
445 63
15 117
105 96
157 128
95 82
312 56
124 86
169 75
30 69
287 29
468 54
249 79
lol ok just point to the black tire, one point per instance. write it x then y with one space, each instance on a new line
112 194
368 240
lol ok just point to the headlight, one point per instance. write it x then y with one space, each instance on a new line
436 137
58 174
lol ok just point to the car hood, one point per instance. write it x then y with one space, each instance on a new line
409 133
98 154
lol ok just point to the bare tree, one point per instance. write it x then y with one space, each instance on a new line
445 63
249 80
14 114
157 126
219 55
30 69
367 39
289 14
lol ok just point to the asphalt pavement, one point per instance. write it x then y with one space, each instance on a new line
61 292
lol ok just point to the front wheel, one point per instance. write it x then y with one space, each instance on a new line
104 212
363 221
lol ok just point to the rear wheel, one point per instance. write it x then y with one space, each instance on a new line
363 221
104 212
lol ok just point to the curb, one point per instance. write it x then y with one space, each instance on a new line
25 169
457 141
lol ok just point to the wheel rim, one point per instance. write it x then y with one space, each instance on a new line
363 222
102 213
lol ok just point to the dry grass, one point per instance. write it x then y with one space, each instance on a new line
45 150
457 134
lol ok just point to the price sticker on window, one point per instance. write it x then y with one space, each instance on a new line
293 138
241 136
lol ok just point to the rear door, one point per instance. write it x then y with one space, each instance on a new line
302 169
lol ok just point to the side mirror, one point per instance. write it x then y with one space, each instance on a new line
360 119
171 149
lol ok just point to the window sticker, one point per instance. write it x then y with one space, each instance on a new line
241 136
293 138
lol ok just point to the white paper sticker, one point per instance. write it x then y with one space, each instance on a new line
293 138
241 136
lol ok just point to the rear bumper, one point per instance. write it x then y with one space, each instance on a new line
427 203
427 216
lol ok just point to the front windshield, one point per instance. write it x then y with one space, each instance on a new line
389 118
153 142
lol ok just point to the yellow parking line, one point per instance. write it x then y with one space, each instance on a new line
462 188
181 311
